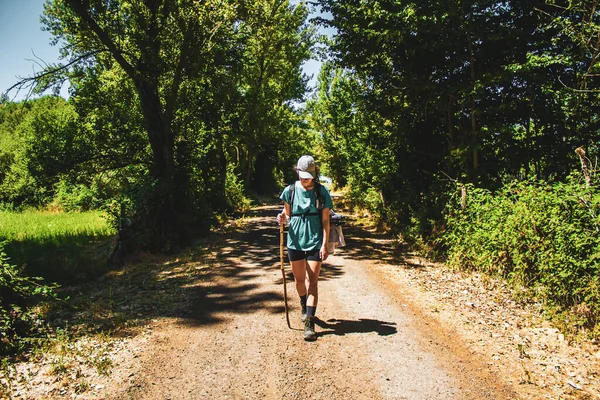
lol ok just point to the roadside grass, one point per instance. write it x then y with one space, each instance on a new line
60 247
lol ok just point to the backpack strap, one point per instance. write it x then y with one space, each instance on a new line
319 202
292 194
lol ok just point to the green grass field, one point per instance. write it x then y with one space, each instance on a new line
57 246
36 225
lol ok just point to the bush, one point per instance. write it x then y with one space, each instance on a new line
74 197
19 294
368 199
539 236
234 191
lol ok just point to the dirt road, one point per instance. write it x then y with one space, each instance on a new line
233 342
209 323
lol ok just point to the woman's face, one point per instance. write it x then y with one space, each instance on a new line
306 183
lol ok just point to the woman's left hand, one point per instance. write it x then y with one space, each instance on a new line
323 253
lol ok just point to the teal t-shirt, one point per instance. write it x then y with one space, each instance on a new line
306 232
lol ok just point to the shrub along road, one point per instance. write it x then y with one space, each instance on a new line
390 327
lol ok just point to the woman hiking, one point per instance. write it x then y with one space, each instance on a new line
306 207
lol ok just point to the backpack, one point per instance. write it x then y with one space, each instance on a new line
336 236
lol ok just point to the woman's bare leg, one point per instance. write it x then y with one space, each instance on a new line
312 282
299 269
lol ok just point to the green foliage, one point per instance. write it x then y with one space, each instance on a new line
356 145
70 196
38 141
19 294
479 92
539 236
276 41
578 23
369 200
234 191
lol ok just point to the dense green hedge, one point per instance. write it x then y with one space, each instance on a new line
539 236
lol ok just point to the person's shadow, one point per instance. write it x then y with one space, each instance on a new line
341 327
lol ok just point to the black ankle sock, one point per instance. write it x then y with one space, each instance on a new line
311 311
303 300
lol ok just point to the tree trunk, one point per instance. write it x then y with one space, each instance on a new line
161 221
474 132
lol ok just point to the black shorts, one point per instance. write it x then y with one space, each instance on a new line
310 255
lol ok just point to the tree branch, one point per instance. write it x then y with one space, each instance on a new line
175 85
31 80
79 8
578 90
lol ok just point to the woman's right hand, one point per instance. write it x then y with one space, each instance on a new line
281 218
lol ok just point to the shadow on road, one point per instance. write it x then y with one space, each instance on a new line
340 327
365 243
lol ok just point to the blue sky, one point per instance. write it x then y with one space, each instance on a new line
23 44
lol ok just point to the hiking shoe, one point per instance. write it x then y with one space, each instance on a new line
309 329
303 313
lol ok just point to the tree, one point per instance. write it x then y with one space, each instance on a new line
466 90
158 45
276 43
577 24
195 77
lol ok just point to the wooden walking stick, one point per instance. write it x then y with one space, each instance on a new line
287 314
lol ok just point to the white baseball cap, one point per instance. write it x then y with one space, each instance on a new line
306 167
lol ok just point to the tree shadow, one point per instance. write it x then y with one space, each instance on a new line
366 243
341 327
208 302
191 290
